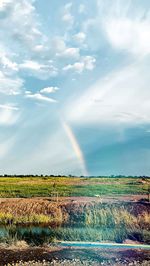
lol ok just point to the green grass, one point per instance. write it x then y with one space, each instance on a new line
69 186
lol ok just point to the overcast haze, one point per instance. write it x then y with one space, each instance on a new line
75 87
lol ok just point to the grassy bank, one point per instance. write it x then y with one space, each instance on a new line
94 214
69 186
131 227
91 222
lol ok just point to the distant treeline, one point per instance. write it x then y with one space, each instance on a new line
69 176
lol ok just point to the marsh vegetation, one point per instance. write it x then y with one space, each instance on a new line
30 216
31 220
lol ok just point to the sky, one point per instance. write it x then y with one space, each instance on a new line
74 87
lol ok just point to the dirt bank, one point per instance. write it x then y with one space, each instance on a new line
38 254
64 206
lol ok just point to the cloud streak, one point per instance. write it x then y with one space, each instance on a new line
40 97
120 98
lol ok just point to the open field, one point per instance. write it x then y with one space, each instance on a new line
70 186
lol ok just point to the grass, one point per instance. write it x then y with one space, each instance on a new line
99 221
31 219
69 186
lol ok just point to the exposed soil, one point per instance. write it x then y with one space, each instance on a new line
107 199
103 198
48 254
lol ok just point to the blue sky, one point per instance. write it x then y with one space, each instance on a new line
74 87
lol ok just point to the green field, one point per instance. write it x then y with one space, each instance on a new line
71 186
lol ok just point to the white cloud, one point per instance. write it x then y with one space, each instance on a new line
123 24
43 71
21 24
121 98
6 64
67 16
10 85
31 65
4 6
80 37
86 63
40 97
49 90
77 67
8 107
28 92
21 38
8 115
21 35
71 52
89 62
40 49
58 44
129 34
28 51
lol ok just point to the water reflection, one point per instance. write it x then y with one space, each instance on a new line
32 235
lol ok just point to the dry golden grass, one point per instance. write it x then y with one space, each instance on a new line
40 211
30 211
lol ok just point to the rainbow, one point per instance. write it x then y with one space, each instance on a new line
76 147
